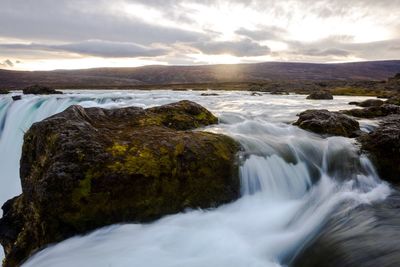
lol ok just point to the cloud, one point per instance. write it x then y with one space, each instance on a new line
175 30
265 33
324 52
241 48
94 48
80 20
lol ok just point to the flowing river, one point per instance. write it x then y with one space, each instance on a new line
291 183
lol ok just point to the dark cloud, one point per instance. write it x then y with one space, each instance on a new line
337 46
241 48
325 52
7 64
77 21
94 48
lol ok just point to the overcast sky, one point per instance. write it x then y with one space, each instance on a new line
54 34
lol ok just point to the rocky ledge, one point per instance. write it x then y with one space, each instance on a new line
86 168
322 121
383 145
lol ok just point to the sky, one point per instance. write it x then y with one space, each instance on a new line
74 34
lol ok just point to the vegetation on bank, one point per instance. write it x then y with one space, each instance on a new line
383 89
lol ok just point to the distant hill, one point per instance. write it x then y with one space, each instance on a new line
151 75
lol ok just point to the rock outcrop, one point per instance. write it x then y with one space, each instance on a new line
4 92
383 145
40 90
86 168
322 121
374 111
320 95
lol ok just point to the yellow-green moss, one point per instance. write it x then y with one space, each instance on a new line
137 161
117 149
84 188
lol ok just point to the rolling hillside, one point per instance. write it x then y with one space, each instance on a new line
152 75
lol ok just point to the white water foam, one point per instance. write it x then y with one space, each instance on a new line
291 181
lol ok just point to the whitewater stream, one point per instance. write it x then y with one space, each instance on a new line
291 182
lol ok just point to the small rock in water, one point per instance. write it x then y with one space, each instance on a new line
322 121
373 111
16 97
209 94
40 90
368 103
320 95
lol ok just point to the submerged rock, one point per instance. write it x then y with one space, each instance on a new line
383 145
320 95
256 94
368 103
367 236
86 168
373 111
40 90
322 121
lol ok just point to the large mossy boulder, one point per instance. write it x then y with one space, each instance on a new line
86 168
383 145
323 95
322 121
40 90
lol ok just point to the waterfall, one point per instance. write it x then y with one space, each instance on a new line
291 180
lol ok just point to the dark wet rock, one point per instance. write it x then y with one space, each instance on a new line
375 111
368 103
209 94
322 121
40 90
256 94
394 100
383 145
4 92
320 95
86 168
16 97
367 236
